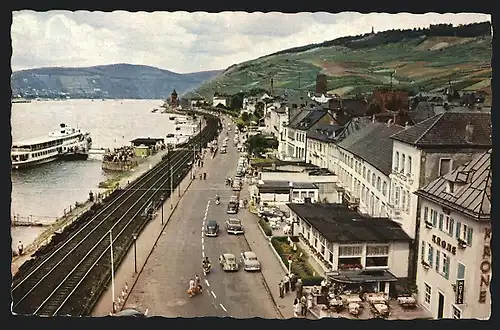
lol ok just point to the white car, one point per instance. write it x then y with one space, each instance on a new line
250 261
228 262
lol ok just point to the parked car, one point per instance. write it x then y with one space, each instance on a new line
223 150
212 228
228 262
250 261
131 312
234 226
232 207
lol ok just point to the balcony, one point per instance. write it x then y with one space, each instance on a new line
428 225
461 243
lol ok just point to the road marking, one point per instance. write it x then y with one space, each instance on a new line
206 281
203 247
213 294
203 254
224 308
202 241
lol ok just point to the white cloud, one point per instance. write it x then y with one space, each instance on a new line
188 42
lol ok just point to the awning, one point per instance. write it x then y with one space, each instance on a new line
361 276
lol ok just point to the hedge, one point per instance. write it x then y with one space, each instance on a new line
265 226
300 266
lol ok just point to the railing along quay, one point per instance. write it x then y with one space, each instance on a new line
69 279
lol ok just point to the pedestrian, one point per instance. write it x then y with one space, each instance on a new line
296 308
282 289
293 281
303 305
299 287
309 304
20 248
201 163
286 282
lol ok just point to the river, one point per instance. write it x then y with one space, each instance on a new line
46 190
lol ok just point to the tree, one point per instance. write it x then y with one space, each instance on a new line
236 101
259 109
245 117
256 144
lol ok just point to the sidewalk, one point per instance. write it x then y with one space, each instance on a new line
272 270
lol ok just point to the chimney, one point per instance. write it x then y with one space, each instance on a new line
469 131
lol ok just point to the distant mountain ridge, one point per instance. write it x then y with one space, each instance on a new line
114 81
419 59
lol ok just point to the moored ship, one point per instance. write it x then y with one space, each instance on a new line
66 143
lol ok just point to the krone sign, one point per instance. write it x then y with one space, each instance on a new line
485 267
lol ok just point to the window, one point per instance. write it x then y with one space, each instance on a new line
349 250
422 251
444 166
448 225
378 183
441 217
396 161
464 233
384 188
403 199
430 254
403 160
396 197
444 270
457 313
377 250
374 179
434 218
407 206
364 171
409 164
426 213
369 175
427 293
460 271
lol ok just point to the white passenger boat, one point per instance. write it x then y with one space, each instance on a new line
66 142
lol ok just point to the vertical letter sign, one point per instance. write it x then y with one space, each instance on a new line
485 267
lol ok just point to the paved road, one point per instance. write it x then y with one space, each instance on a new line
163 284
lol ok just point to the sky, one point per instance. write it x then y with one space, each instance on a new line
188 42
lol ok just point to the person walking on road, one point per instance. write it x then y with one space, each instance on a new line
299 287
20 248
303 305
296 308
293 281
286 281
282 289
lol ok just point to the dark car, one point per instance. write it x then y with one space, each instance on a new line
131 312
232 207
212 228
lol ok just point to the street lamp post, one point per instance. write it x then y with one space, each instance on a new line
112 272
162 201
290 184
134 236
171 179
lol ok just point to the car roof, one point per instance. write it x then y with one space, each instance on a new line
228 255
234 220
212 222
249 254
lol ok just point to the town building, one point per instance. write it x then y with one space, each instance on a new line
296 132
249 104
426 151
363 167
344 240
280 192
325 180
429 149
220 100
454 272
320 145
275 121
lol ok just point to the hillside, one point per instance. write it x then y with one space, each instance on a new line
422 59
117 81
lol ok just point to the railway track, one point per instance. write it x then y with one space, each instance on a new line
69 279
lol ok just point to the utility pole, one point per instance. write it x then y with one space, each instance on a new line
112 271
171 178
